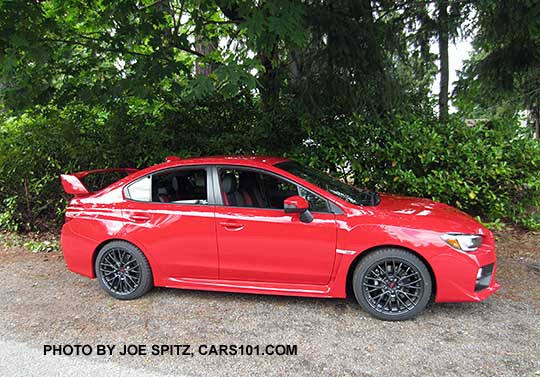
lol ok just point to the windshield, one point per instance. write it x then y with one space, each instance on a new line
342 190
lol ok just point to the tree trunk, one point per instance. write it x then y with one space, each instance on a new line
443 58
531 94
204 47
534 119
270 85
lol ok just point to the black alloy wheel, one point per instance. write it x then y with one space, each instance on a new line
123 270
392 284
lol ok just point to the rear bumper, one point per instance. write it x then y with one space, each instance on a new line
78 251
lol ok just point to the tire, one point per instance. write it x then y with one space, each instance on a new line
123 271
392 284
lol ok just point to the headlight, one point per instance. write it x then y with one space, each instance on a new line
464 242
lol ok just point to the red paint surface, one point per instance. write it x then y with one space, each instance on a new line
268 251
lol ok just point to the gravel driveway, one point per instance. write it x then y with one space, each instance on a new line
43 303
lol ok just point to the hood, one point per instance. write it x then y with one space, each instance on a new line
433 215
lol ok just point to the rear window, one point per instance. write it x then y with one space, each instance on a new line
178 186
183 186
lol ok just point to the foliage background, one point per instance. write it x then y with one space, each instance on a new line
341 85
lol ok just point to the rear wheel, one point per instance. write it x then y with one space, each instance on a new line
392 284
123 271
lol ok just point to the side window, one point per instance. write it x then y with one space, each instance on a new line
241 188
140 190
276 190
316 203
246 188
183 186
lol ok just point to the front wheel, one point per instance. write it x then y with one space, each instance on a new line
123 271
392 284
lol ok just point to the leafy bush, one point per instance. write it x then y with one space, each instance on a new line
490 170
39 145
8 217
41 246
34 242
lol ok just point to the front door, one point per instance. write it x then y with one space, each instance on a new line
259 242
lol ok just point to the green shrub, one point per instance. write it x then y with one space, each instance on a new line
41 246
8 216
40 144
490 170
34 242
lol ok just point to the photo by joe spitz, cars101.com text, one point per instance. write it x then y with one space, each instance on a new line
269 225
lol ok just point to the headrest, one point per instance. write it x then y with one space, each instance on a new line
200 181
228 183
175 183
162 191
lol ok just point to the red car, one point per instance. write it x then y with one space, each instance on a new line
269 225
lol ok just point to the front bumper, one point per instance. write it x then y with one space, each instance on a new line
458 277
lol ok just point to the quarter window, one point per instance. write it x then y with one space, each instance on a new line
316 203
140 190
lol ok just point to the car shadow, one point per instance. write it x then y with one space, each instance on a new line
253 297
349 304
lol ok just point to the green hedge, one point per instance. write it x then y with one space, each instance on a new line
491 170
37 146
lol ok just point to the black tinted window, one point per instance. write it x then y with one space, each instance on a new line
180 186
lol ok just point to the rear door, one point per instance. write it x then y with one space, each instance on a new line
169 215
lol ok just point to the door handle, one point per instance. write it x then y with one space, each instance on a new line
139 218
231 226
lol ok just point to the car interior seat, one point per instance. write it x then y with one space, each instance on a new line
229 191
249 189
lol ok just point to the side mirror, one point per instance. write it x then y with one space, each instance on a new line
297 204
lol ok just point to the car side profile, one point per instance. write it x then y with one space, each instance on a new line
269 225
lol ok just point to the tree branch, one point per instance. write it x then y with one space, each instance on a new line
77 43
112 49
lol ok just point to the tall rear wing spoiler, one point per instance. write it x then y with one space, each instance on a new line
73 185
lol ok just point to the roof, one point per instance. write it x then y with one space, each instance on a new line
269 160
173 161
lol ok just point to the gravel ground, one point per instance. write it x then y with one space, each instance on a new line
43 303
